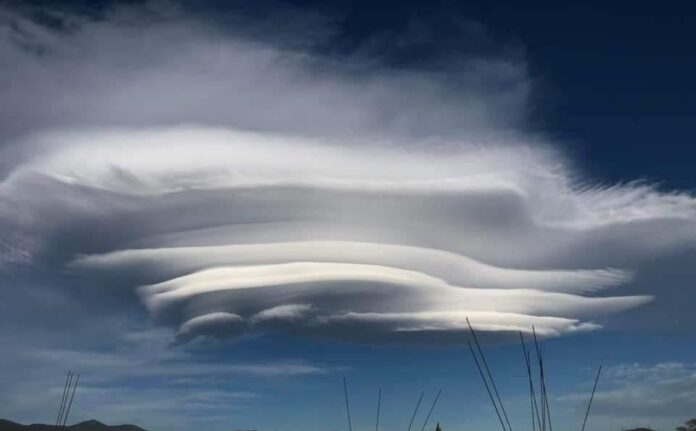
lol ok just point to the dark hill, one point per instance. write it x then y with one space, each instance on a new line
91 425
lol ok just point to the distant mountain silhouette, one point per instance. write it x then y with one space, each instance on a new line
90 425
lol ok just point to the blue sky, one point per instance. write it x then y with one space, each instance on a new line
216 211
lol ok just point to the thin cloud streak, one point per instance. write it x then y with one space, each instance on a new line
630 394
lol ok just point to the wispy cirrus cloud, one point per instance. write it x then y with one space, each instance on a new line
135 376
642 394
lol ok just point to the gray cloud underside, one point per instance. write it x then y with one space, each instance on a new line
376 206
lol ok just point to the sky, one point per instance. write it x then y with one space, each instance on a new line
215 211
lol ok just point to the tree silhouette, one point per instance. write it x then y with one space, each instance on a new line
437 428
690 425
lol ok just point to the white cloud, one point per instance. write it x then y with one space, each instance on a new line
217 323
103 74
223 226
241 188
639 395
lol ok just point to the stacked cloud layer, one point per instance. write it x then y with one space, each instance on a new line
235 185
224 233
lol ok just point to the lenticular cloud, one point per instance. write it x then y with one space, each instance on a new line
370 204
226 234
